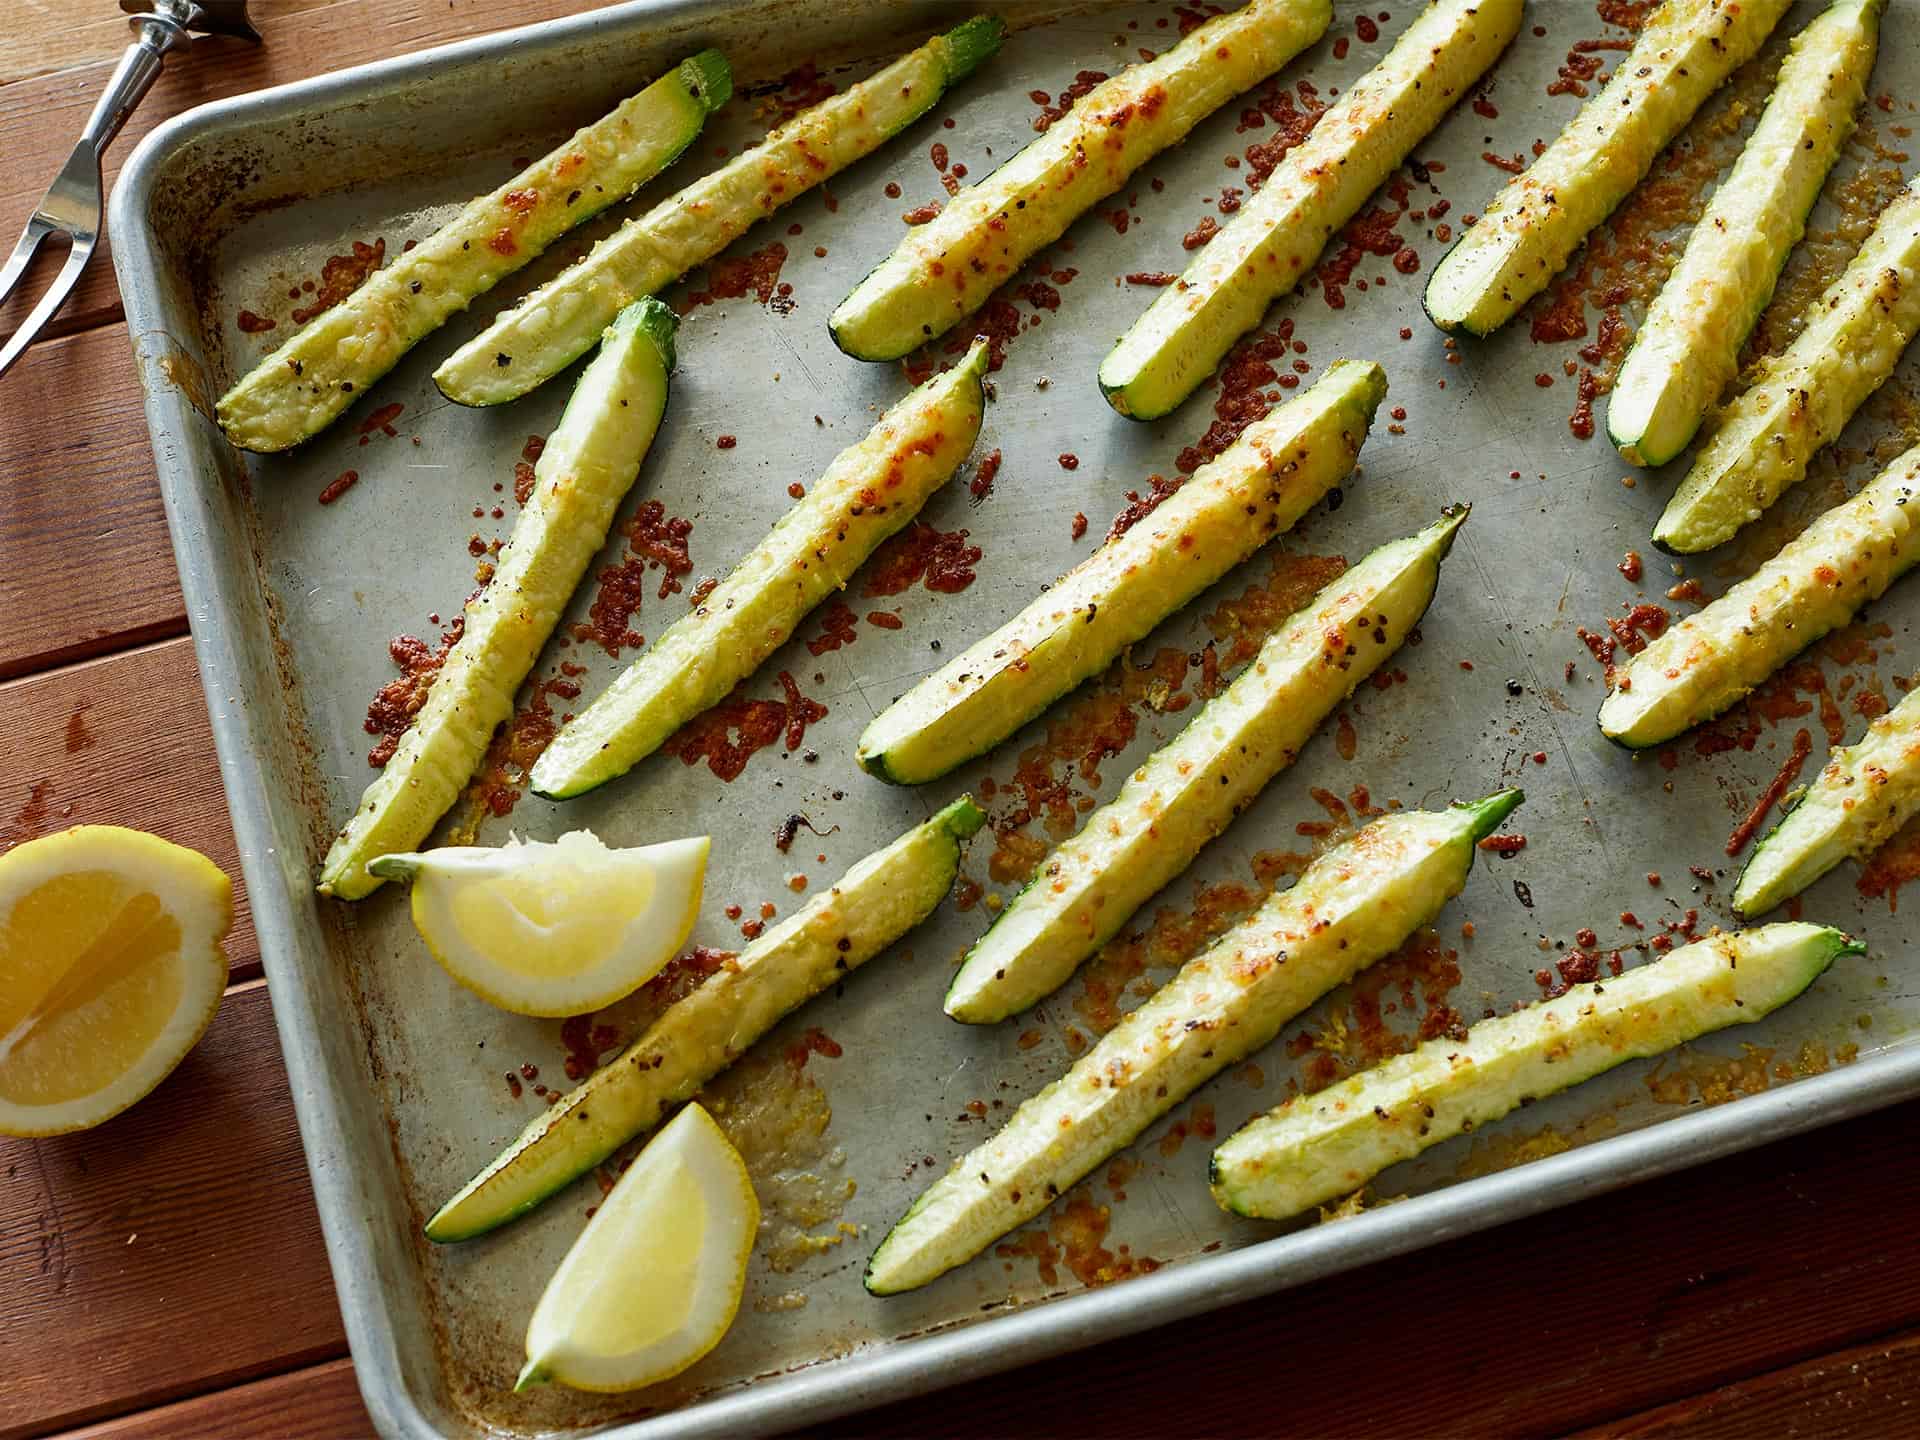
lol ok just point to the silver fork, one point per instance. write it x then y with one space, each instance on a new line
71 206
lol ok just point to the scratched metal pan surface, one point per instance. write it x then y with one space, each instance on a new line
399 1075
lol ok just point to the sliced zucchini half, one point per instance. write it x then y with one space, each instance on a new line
302 387
1315 1148
1689 347
1864 793
871 490
945 270
589 463
1685 52
1261 485
1190 790
1817 583
1271 244
1351 907
1803 397
876 902
551 328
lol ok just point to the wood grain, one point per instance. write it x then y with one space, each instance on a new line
40 117
85 563
125 741
1599 1310
321 1402
173 1249
1871 1390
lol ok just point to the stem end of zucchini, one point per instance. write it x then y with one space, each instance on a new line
971 44
962 817
708 78
1484 816
654 319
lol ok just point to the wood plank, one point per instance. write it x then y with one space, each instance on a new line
122 741
41 116
1864 1393
1605 1308
171 1250
85 563
321 1402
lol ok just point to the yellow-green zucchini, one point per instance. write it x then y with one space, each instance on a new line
1689 347
871 490
1232 506
1269 246
1189 790
584 472
1685 52
1315 1148
1817 583
303 386
1862 795
1761 443
944 270
875 903
555 325
1352 906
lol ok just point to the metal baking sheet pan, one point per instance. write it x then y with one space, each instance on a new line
400 1076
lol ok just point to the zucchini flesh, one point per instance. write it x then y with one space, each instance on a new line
944 270
1278 468
1713 658
1352 906
557 323
1864 793
1190 790
871 490
1315 1148
1271 244
589 464
302 387
1689 347
1761 443
875 903
1685 52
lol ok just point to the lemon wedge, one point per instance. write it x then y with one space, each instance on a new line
655 1279
553 928
110 971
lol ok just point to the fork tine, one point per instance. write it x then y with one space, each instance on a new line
16 266
56 296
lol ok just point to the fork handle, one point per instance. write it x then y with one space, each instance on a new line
154 35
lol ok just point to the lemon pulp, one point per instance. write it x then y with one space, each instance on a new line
553 921
110 969
655 1280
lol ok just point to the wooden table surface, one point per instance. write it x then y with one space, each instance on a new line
163 1275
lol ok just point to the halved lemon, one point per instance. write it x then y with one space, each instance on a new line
553 928
110 971
655 1279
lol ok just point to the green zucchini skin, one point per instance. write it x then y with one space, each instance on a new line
1689 347
1353 906
1257 488
1685 52
1863 794
1272 243
589 464
1817 583
810 553
1315 1148
1191 789
306 384
944 270
1803 397
556 324
876 902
